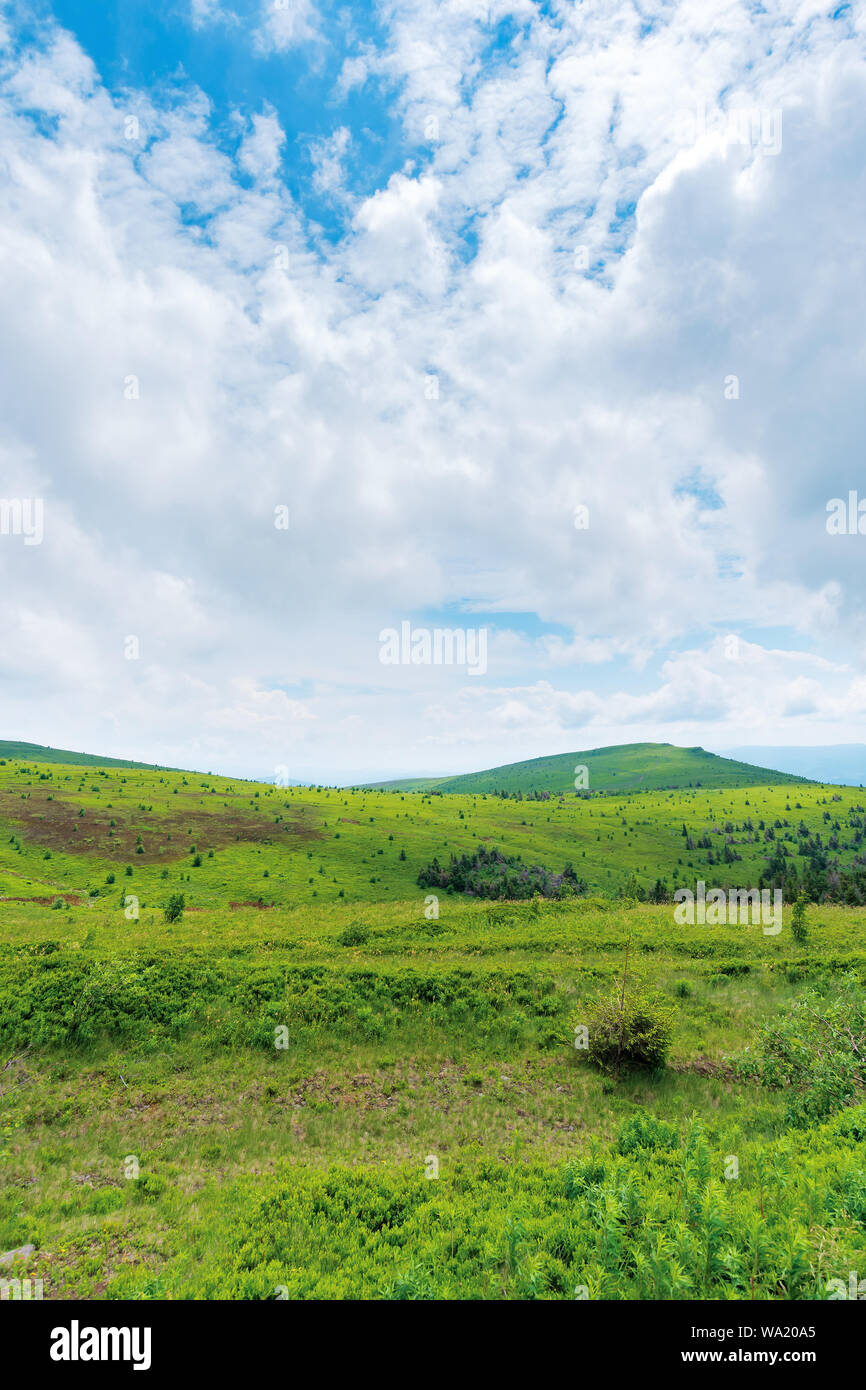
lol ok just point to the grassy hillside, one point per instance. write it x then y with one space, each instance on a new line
38 752
622 768
311 1084
112 831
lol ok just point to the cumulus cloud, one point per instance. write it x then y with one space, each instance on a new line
328 156
261 149
284 24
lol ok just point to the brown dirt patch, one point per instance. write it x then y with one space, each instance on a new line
704 1066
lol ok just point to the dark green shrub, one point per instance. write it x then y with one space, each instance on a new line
353 936
490 874
174 907
644 1131
149 1187
851 1124
631 1033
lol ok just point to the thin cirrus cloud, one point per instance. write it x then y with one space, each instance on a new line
534 303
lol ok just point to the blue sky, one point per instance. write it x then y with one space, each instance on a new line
438 282
157 47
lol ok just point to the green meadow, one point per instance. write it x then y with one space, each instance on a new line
68 830
315 1082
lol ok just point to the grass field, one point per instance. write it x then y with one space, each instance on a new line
336 1094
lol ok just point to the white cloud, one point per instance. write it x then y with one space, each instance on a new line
398 242
328 157
353 73
204 12
261 149
285 23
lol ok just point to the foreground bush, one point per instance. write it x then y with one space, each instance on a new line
630 1033
816 1052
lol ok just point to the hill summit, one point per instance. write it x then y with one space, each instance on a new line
624 767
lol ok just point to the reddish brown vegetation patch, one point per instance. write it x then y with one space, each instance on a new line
72 898
55 824
260 905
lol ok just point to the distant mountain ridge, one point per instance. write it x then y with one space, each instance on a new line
619 767
843 764
622 767
41 753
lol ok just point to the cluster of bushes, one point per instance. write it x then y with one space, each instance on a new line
490 874
505 795
633 889
799 861
652 1217
823 879
66 998
816 1052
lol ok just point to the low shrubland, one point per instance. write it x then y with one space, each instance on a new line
661 1215
282 1062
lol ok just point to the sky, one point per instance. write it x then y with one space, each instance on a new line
325 327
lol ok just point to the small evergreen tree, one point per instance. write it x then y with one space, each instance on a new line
630 1031
174 907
